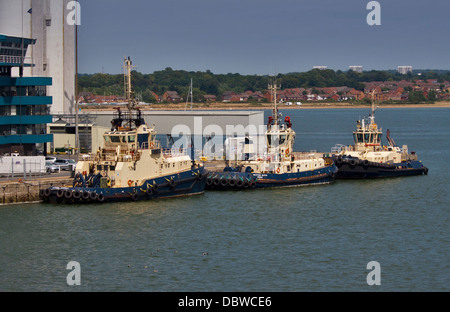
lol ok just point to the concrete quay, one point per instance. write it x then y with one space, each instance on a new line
19 191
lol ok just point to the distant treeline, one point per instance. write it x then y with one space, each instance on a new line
209 83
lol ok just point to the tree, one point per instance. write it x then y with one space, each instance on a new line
416 97
432 96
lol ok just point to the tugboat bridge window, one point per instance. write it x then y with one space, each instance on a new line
115 139
280 139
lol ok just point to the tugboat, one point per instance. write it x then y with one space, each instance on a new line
279 166
131 165
368 158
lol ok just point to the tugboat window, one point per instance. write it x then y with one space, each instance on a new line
107 140
366 137
115 139
131 138
360 137
124 139
282 139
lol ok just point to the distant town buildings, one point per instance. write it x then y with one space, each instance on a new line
356 68
405 69
320 67
384 91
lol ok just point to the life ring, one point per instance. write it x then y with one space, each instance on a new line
232 182
130 182
60 193
47 192
209 181
352 163
278 170
134 196
252 184
287 152
93 196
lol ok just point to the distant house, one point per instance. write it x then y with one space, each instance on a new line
258 96
210 98
156 96
356 94
226 96
171 96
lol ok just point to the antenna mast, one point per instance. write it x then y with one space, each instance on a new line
273 88
127 79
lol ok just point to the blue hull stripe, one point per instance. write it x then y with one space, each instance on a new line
181 184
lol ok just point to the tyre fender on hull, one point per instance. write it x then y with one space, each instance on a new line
68 194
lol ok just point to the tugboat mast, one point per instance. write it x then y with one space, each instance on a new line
130 118
131 101
273 88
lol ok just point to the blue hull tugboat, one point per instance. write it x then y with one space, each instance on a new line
367 158
131 165
279 167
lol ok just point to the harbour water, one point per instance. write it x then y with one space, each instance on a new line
312 238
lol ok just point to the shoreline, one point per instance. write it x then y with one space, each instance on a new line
264 106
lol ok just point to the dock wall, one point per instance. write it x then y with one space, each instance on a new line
14 192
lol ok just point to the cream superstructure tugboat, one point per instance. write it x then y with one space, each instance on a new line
131 165
368 158
279 166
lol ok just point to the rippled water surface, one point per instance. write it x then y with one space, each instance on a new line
313 238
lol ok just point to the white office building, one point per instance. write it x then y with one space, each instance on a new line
356 68
405 69
54 51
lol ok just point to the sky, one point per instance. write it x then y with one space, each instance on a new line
261 37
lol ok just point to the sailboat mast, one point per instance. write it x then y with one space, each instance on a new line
187 97
191 94
372 116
